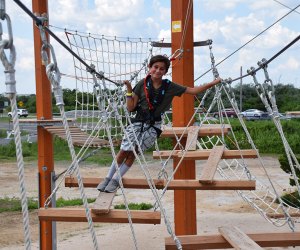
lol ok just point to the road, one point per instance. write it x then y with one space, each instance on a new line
29 130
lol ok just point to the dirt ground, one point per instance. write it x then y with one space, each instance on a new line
214 209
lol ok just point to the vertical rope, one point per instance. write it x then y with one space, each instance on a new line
20 163
10 83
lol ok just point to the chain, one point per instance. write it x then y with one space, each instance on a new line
10 82
212 59
269 87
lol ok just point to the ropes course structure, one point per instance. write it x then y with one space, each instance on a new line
101 64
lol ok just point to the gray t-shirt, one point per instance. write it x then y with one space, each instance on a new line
172 90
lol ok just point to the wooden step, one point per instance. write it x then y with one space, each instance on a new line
210 167
218 241
103 203
173 185
238 239
203 154
114 216
79 137
280 216
191 141
45 121
205 130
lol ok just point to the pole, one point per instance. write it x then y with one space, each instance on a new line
43 111
241 89
183 109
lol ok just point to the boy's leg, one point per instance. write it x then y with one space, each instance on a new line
114 183
120 158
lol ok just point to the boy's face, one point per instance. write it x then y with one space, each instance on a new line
158 70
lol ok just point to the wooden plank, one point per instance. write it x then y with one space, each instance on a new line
218 241
279 216
204 154
34 120
205 130
103 203
210 167
191 141
173 185
293 113
238 239
114 216
79 137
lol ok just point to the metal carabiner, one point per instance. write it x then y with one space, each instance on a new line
7 43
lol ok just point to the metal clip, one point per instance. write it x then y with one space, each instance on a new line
7 43
2 9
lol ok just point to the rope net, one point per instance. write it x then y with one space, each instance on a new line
119 59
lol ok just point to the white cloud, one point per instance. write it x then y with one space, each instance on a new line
165 34
117 10
290 63
24 51
220 5
165 14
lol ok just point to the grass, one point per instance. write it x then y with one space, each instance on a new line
292 199
135 206
3 133
14 204
60 150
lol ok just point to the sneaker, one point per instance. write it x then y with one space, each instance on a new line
102 185
112 186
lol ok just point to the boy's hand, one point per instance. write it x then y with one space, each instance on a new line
218 80
128 85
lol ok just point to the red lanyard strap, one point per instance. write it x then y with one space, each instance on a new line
147 81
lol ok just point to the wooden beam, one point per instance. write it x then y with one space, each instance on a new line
210 167
43 112
114 216
185 215
79 137
279 216
238 239
168 45
203 154
173 185
191 141
44 121
218 241
205 130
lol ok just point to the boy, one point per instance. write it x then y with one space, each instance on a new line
150 98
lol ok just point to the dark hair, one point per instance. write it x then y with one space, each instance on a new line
160 58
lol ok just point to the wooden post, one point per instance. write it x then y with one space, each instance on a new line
43 111
183 109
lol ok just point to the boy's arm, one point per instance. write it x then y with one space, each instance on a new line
202 88
131 98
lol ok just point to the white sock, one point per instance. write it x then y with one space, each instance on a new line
123 169
111 171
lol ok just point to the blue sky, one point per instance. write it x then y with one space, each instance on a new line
229 23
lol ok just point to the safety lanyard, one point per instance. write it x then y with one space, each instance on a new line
146 86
